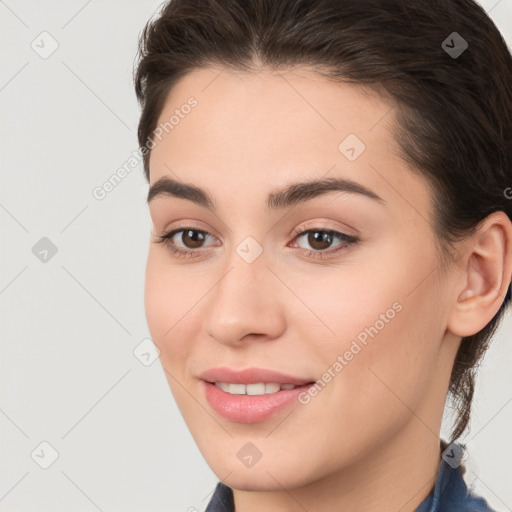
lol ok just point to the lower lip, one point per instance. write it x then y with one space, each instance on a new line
250 408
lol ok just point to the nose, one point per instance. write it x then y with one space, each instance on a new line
245 305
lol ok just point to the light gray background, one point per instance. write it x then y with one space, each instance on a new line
69 326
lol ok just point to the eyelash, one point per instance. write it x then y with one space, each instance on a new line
349 240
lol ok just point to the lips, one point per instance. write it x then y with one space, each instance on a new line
218 385
251 376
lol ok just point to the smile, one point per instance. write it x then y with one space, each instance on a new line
259 388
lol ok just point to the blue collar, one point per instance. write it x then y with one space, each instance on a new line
450 493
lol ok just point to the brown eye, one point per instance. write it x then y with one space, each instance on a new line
319 240
185 242
192 238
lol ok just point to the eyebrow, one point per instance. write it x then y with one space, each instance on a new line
288 196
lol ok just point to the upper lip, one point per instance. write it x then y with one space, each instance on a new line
250 376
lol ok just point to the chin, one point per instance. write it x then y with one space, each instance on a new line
260 482
270 476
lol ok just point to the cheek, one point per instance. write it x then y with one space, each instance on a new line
394 370
386 325
157 299
165 305
174 312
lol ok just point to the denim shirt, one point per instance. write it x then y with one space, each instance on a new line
450 493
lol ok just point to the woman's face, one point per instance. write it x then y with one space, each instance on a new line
362 311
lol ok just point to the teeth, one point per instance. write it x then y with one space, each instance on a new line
260 388
256 389
223 386
270 388
237 389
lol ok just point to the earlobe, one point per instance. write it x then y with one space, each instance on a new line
486 277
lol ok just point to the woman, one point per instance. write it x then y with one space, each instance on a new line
332 240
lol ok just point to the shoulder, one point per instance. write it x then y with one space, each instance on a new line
466 500
452 494
221 500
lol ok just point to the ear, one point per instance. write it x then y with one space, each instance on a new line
486 274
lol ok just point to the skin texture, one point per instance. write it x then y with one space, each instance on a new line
370 439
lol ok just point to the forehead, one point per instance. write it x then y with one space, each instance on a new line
271 110
262 130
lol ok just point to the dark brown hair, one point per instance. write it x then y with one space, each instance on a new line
453 113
